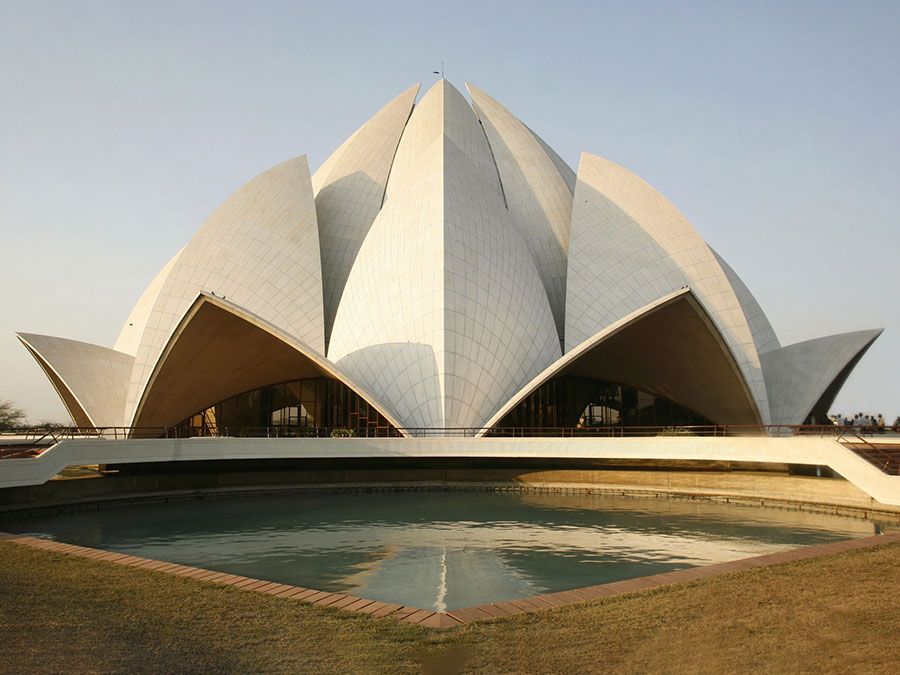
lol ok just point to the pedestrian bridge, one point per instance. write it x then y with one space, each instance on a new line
863 474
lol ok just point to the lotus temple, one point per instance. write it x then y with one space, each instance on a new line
446 285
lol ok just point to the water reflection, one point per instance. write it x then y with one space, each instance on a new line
444 550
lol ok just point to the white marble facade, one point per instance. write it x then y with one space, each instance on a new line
349 189
443 261
800 374
91 380
538 188
260 250
444 313
630 245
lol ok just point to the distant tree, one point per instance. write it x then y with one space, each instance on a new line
52 424
10 415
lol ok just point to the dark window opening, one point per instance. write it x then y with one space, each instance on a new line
317 406
581 403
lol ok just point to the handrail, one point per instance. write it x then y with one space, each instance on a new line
32 442
871 452
40 436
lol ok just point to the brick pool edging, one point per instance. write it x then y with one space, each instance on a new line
455 617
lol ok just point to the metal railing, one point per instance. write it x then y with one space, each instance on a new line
888 462
35 436
31 442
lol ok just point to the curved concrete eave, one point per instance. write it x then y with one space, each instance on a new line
581 350
260 248
317 362
629 245
573 354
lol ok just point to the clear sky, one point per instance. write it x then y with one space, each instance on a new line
774 127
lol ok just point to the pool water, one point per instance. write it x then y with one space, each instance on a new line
442 550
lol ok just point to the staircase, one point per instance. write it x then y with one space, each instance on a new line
885 456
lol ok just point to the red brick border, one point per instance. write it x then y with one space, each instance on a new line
455 617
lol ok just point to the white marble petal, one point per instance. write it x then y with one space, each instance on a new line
349 189
129 338
91 380
499 327
388 332
444 315
538 187
763 334
442 111
799 375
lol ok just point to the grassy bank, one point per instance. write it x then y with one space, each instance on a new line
66 614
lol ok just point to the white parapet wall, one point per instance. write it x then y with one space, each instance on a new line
879 486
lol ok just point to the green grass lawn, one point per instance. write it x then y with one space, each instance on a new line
838 613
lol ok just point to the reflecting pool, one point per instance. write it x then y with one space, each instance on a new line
442 550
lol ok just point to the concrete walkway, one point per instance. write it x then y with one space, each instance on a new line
806 450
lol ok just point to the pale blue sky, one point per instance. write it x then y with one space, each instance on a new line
775 128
